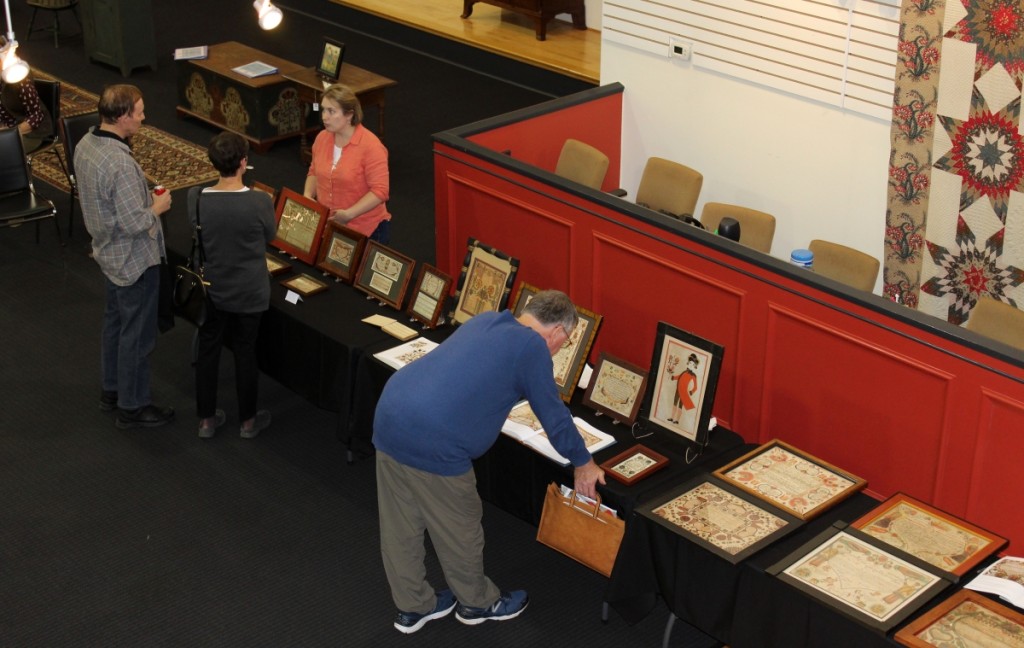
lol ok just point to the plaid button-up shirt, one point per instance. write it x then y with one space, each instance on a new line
126 237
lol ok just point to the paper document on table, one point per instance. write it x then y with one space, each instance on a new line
523 426
255 69
379 320
191 53
1005 578
403 354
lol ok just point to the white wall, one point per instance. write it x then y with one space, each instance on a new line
820 171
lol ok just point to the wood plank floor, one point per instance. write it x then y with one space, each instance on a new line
573 52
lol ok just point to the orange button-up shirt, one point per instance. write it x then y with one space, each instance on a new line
363 167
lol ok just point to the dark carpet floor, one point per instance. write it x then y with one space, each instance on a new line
157 538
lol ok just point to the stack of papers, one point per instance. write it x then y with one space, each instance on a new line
392 327
255 69
401 355
1005 578
191 53
523 426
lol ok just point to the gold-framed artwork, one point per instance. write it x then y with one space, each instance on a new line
384 273
616 388
965 619
722 519
791 479
485 281
861 577
568 362
937 537
682 383
304 284
276 265
340 251
300 225
639 462
429 294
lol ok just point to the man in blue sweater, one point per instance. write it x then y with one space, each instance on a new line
434 417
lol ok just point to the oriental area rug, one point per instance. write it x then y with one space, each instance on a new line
167 160
955 218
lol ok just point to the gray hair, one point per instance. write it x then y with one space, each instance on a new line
553 308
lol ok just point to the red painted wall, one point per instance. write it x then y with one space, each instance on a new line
910 403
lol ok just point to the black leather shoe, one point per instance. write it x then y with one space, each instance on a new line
148 416
108 400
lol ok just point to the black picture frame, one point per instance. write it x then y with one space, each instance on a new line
332 54
708 493
485 281
674 352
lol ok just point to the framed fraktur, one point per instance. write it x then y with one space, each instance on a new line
277 266
267 189
340 251
791 479
485 281
300 225
569 360
384 274
304 284
616 388
860 577
965 619
429 294
682 383
720 518
639 462
937 537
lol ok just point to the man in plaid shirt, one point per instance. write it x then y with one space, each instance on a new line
123 217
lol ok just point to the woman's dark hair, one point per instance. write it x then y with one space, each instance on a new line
226 152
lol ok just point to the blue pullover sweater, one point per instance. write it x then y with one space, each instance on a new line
447 408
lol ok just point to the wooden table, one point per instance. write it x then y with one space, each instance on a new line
369 89
263 110
541 11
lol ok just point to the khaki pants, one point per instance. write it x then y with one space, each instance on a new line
412 501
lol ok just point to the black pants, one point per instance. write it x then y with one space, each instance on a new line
241 330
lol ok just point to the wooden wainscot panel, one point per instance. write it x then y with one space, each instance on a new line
652 288
994 486
844 399
540 239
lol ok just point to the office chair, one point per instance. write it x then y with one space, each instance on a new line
18 201
997 320
56 6
582 163
757 229
49 97
73 129
844 264
669 187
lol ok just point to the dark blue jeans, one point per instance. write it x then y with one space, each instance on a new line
129 337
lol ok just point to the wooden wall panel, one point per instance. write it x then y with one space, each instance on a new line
840 397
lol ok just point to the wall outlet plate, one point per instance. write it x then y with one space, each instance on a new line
679 48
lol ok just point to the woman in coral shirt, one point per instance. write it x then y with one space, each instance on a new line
349 171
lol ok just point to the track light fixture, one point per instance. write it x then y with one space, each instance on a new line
12 68
268 15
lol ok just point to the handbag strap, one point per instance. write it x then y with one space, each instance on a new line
197 240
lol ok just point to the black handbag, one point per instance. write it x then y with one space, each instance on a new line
189 299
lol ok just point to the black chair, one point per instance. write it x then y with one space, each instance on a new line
18 201
55 6
73 129
49 96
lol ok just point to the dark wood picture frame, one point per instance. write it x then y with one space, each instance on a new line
616 388
300 225
745 480
485 281
304 284
786 525
882 522
909 635
340 251
276 265
939 579
630 475
429 295
384 273
523 297
675 350
332 54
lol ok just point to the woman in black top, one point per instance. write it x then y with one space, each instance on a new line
237 223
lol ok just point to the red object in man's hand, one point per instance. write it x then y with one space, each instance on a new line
159 190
